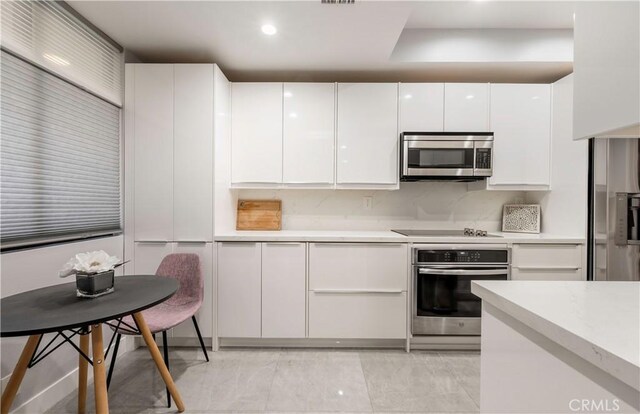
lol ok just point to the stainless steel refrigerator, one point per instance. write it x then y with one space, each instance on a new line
614 209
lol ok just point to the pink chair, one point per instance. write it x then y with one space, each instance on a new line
185 267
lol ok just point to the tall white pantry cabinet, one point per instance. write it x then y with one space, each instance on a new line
169 130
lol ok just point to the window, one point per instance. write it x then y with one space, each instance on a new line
59 159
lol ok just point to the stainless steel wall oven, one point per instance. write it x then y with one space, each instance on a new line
442 300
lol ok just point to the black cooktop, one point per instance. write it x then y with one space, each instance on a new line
437 233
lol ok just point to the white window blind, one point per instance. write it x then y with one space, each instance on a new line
45 33
59 158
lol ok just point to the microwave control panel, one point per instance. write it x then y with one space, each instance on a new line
483 158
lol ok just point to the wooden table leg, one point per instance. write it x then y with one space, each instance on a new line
82 373
18 373
99 377
157 358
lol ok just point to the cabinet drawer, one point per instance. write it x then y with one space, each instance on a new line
559 256
357 315
359 266
547 274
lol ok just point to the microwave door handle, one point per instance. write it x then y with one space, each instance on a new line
453 272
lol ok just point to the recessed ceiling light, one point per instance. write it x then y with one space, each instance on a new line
293 115
469 97
288 94
56 59
408 96
535 97
269 29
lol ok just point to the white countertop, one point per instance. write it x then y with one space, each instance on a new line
386 237
598 321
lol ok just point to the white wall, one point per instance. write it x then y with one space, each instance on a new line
564 208
415 205
35 268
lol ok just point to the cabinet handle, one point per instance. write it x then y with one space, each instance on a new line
387 291
547 267
153 241
278 243
193 241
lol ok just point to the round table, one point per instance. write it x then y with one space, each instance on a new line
58 309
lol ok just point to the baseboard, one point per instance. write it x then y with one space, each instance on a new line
446 343
55 392
312 343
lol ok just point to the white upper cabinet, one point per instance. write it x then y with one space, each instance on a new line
466 107
172 134
521 122
606 66
367 136
153 155
422 107
309 133
256 130
193 153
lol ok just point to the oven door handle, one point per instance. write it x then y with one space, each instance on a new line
492 272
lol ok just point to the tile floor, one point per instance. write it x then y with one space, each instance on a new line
296 381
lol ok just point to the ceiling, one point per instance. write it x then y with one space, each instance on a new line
322 42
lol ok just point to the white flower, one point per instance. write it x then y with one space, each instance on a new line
90 262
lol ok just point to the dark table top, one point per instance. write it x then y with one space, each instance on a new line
57 308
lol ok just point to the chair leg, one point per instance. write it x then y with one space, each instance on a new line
204 350
165 349
113 359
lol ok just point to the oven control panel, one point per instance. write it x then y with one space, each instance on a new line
461 256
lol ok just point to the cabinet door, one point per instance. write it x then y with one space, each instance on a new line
521 122
193 153
367 133
309 132
239 290
256 133
421 107
153 154
148 256
283 290
363 267
354 315
547 274
205 314
466 107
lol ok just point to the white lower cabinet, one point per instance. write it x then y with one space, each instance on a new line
357 290
283 290
358 266
239 290
547 262
546 274
357 315
149 255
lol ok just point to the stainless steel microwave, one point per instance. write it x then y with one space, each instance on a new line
456 156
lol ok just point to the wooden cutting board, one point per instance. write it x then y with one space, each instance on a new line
259 215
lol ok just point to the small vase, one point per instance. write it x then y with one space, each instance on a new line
92 285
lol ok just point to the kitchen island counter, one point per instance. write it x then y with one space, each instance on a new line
583 337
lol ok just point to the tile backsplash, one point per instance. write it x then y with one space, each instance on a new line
414 205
